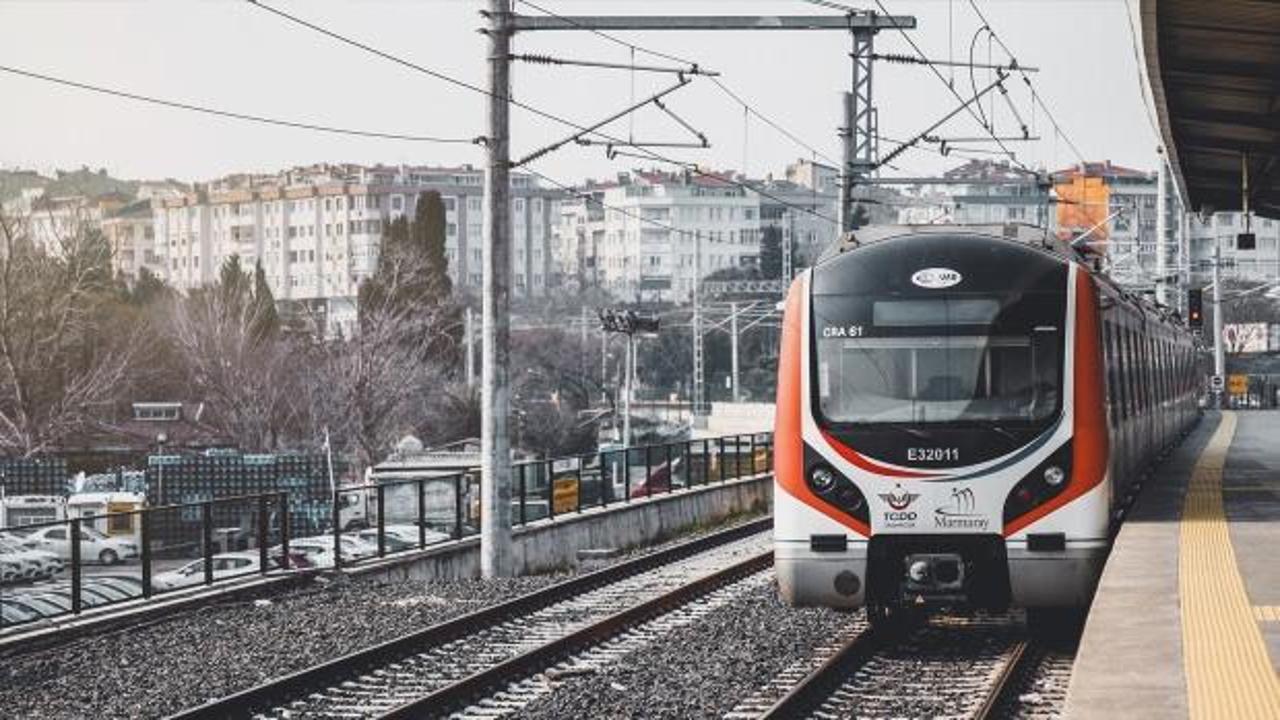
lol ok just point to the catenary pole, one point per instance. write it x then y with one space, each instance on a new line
1219 356
495 455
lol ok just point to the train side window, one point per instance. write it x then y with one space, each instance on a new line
1135 369
1109 357
1126 375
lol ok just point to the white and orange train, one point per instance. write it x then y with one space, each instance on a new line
960 412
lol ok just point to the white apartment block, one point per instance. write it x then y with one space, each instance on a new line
804 215
1262 264
130 232
317 230
643 232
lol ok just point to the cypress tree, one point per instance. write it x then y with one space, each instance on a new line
429 238
266 320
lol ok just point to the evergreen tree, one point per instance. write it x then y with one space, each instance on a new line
771 253
148 288
429 238
233 285
266 320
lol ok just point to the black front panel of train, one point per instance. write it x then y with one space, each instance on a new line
938 351
983 577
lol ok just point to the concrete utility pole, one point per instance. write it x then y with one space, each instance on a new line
733 346
495 452
1219 355
1162 228
469 338
627 389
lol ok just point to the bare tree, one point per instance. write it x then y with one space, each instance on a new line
248 379
58 367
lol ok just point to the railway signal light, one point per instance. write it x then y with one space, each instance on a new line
627 321
1195 308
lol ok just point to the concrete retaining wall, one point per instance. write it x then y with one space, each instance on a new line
550 544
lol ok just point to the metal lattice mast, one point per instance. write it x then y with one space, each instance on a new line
858 132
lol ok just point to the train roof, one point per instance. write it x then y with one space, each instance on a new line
1024 233
1030 235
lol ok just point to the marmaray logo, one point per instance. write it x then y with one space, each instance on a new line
961 513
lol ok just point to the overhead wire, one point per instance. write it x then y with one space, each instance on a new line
248 117
932 66
724 87
1027 79
648 153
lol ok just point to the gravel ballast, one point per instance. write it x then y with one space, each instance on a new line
186 659
700 671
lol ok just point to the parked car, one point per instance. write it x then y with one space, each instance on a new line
61 602
12 614
225 565
39 604
129 586
307 555
95 545
37 564
11 571
400 537
353 548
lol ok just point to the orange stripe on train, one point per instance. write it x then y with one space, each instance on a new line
788 448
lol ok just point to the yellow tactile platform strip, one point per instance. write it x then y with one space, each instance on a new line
1266 613
1229 674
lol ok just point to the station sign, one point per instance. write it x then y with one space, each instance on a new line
1217 383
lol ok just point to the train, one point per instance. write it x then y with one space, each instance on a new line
962 412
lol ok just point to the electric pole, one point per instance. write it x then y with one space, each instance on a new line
495 453
733 345
698 414
1219 355
1162 229
469 338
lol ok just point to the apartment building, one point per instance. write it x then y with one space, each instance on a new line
317 229
1117 207
1261 264
643 232
130 233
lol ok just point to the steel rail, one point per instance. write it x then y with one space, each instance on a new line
1005 682
819 684
281 690
454 696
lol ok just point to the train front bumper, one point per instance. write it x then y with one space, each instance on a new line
822 578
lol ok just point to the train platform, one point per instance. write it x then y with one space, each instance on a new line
1186 620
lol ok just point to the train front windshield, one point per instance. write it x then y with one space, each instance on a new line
952 359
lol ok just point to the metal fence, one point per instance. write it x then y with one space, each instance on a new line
62 567
147 552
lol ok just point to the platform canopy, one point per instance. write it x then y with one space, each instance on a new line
1214 71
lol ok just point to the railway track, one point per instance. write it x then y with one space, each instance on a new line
443 668
948 667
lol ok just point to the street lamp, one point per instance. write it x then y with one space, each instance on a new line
161 439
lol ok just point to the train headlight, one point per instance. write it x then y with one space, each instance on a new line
822 479
1054 475
1041 485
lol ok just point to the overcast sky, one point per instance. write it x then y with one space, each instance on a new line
232 56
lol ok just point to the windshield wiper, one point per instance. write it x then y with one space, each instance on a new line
997 428
913 432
